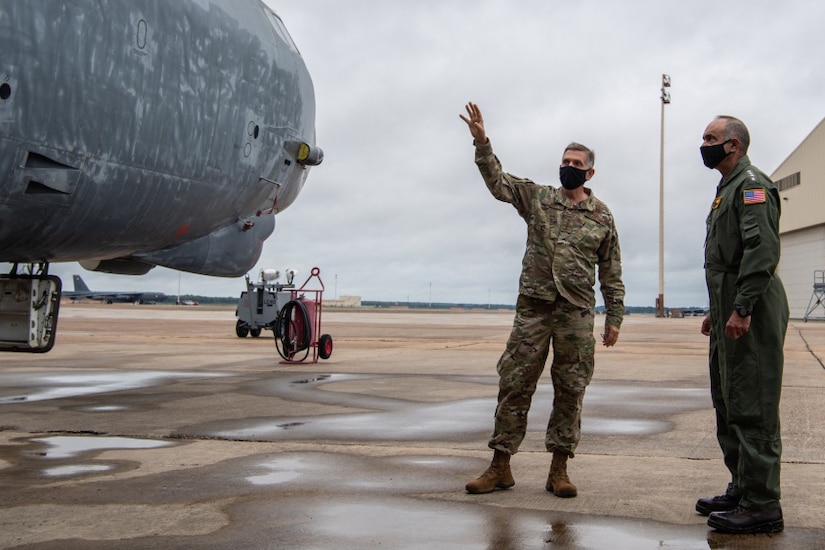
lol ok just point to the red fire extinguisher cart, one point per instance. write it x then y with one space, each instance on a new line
298 326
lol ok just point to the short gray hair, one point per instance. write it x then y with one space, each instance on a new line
735 128
591 156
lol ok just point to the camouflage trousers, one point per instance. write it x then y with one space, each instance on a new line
538 323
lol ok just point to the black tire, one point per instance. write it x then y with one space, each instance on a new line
255 332
325 346
241 329
293 332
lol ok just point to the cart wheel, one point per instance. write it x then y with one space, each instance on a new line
325 346
255 332
241 329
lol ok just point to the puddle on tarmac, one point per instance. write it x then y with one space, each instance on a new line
373 521
613 426
71 446
336 500
407 523
609 410
284 470
77 470
41 387
441 525
310 471
425 422
104 408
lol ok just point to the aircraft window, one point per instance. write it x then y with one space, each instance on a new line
280 29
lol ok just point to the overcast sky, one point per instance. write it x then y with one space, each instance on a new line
398 211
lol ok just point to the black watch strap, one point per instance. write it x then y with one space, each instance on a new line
742 310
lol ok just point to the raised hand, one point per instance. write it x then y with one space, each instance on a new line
475 122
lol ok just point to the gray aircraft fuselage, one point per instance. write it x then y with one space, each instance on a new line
136 133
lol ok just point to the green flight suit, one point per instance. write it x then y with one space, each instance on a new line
741 255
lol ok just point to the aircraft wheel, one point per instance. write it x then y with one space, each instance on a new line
255 332
325 346
241 329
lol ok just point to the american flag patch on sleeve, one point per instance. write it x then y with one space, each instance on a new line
754 196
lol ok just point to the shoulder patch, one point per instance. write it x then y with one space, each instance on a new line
754 196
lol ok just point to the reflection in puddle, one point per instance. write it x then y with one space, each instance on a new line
611 409
70 446
415 421
328 500
613 426
311 471
422 461
80 469
57 386
349 522
399 524
285 469
563 535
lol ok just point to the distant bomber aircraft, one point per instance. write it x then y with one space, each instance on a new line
136 133
82 292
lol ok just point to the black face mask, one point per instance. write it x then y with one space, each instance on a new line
572 177
712 155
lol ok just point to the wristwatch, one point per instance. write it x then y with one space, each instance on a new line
742 310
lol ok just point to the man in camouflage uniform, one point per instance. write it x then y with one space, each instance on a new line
569 233
747 323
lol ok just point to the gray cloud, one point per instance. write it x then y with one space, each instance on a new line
398 208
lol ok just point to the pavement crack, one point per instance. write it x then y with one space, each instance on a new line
808 347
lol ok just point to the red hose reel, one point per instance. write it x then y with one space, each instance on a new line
298 326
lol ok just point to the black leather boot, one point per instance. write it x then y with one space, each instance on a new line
719 503
742 521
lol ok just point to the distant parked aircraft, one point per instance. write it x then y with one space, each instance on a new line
82 292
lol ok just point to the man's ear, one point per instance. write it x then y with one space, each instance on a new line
590 172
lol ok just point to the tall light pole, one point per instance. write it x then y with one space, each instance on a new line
660 301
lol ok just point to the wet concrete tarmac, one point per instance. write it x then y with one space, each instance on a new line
157 427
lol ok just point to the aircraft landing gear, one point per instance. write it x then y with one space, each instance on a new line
29 304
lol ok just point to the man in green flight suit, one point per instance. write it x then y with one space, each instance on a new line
747 323
569 233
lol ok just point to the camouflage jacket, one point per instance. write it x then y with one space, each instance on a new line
565 241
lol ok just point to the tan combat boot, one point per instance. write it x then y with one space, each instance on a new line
497 476
557 481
